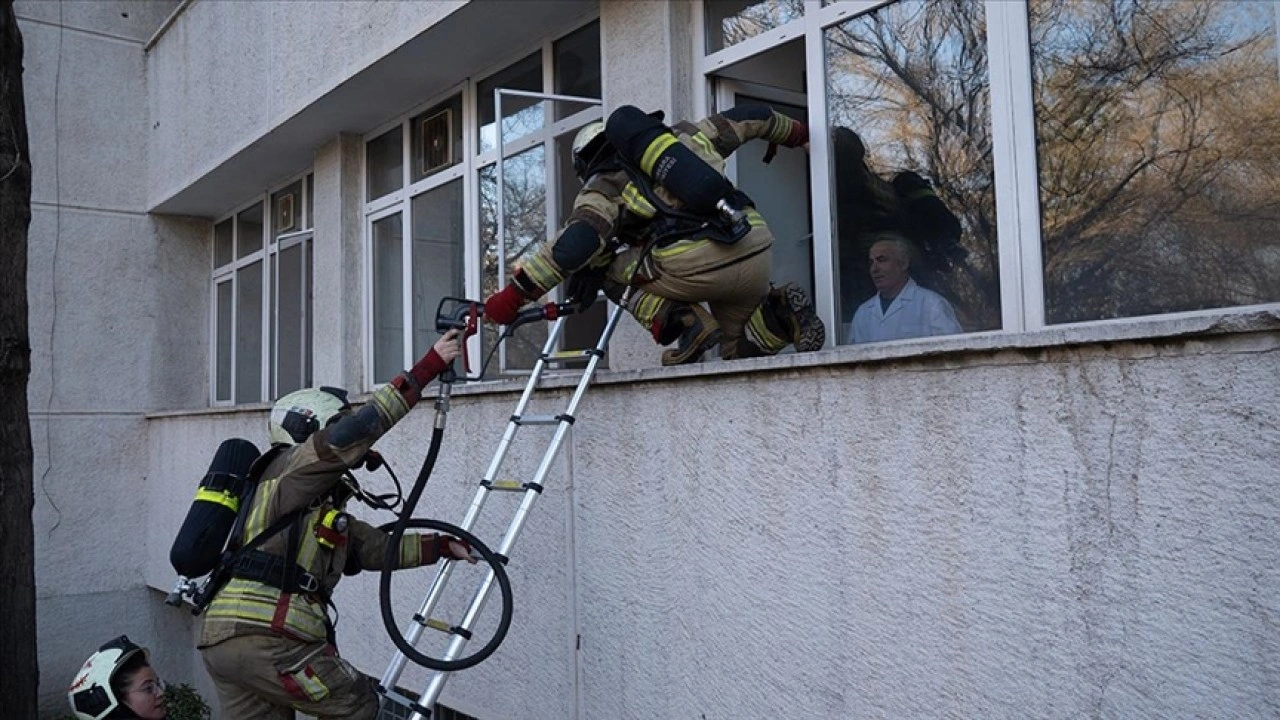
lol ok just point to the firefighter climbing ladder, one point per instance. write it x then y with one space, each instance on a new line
530 490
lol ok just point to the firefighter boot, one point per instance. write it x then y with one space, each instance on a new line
694 331
792 306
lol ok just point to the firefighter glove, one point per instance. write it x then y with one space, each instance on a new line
502 306
452 548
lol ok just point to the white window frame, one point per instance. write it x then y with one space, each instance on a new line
229 273
1018 229
472 164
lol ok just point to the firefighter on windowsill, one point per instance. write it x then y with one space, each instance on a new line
657 211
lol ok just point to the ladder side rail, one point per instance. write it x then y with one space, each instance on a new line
438 678
414 632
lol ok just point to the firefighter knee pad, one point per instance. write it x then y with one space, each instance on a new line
646 142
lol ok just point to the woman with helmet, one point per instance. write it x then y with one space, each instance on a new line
267 641
117 682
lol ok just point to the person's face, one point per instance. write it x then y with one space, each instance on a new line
888 267
144 695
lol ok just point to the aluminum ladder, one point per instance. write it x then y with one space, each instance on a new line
420 709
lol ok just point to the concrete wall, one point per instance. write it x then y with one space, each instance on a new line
118 327
221 79
998 530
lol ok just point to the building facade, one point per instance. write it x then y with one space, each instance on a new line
1061 506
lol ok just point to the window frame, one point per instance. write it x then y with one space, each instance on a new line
1014 158
270 249
469 170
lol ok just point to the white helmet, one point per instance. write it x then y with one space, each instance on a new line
296 415
90 694
584 147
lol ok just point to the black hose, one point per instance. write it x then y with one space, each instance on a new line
391 559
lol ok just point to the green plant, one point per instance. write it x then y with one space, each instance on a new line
182 702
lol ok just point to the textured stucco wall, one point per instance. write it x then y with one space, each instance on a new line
338 263
646 48
1083 531
116 327
226 74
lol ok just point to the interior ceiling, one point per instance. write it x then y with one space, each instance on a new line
474 36
780 67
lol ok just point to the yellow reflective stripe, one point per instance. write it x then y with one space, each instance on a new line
637 202
754 218
781 127
257 521
680 247
758 333
223 498
646 307
704 142
311 684
541 271
656 148
391 403
410 551
252 602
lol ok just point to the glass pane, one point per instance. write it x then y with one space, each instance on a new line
1157 148
577 68
272 273
308 284
438 260
729 22
524 210
580 331
222 373
388 298
249 231
437 139
912 176
223 242
286 210
289 316
310 220
384 164
249 333
780 190
520 115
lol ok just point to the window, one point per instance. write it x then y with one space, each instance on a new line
1020 164
1158 148
913 189
384 164
449 211
729 22
262 298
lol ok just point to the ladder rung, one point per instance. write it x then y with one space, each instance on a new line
511 486
536 419
566 355
442 626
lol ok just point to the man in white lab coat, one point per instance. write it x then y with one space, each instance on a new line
900 308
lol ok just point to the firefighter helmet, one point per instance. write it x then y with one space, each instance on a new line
587 145
91 695
296 415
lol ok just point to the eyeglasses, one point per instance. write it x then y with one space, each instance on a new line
150 687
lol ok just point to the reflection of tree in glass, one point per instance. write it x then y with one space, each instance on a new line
1158 128
911 80
759 18
524 225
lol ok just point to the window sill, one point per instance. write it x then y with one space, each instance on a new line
1256 319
